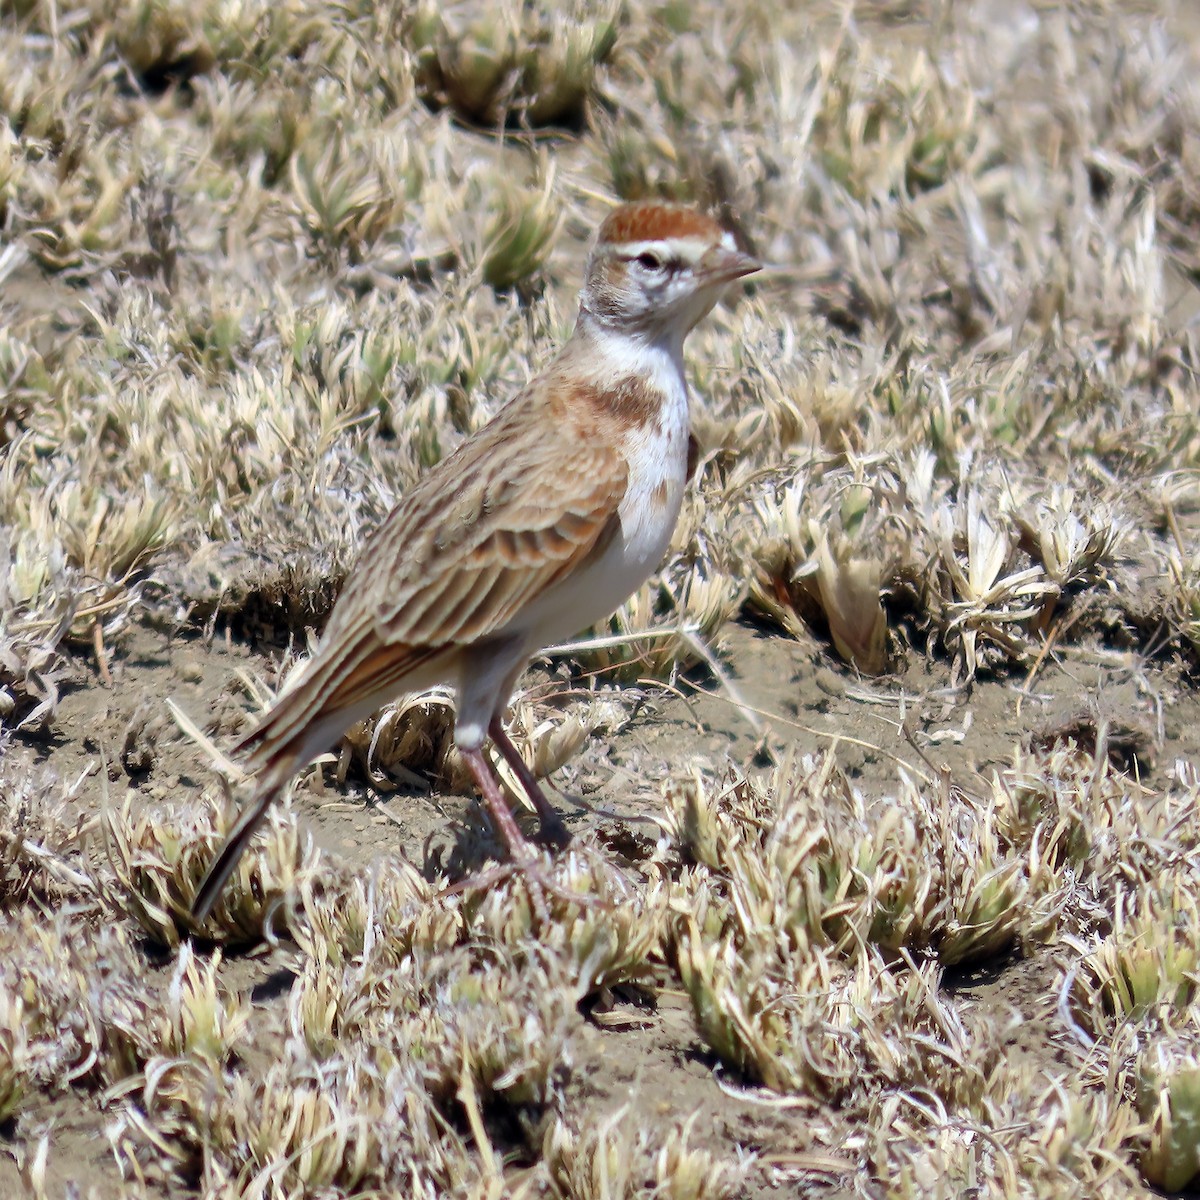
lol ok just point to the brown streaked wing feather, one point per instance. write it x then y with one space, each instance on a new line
394 572
344 672
286 721
524 505
384 670
567 532
521 506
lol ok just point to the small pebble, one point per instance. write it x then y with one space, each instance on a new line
830 682
191 672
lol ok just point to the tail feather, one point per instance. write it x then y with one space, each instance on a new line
273 751
343 684
290 734
236 841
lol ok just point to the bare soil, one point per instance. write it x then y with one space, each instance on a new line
641 1055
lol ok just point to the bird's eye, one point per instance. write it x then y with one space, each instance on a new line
650 261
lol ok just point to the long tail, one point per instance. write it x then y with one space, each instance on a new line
348 680
283 741
236 841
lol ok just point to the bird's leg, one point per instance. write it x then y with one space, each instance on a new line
514 840
551 828
523 859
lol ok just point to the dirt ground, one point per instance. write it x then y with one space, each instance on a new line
637 1057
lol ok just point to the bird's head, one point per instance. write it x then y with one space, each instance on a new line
657 269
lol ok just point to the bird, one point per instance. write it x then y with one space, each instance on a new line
541 523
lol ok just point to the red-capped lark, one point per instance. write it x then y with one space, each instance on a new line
537 526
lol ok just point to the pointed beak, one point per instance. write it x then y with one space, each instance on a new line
723 265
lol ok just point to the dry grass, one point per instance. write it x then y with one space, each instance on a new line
263 264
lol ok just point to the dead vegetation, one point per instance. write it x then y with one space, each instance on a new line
262 264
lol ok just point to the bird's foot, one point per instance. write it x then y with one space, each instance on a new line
539 883
552 831
524 860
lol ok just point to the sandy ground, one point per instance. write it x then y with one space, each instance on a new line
641 1056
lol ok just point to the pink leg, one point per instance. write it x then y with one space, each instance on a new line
523 859
518 846
551 828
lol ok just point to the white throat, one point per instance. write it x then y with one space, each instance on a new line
611 354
